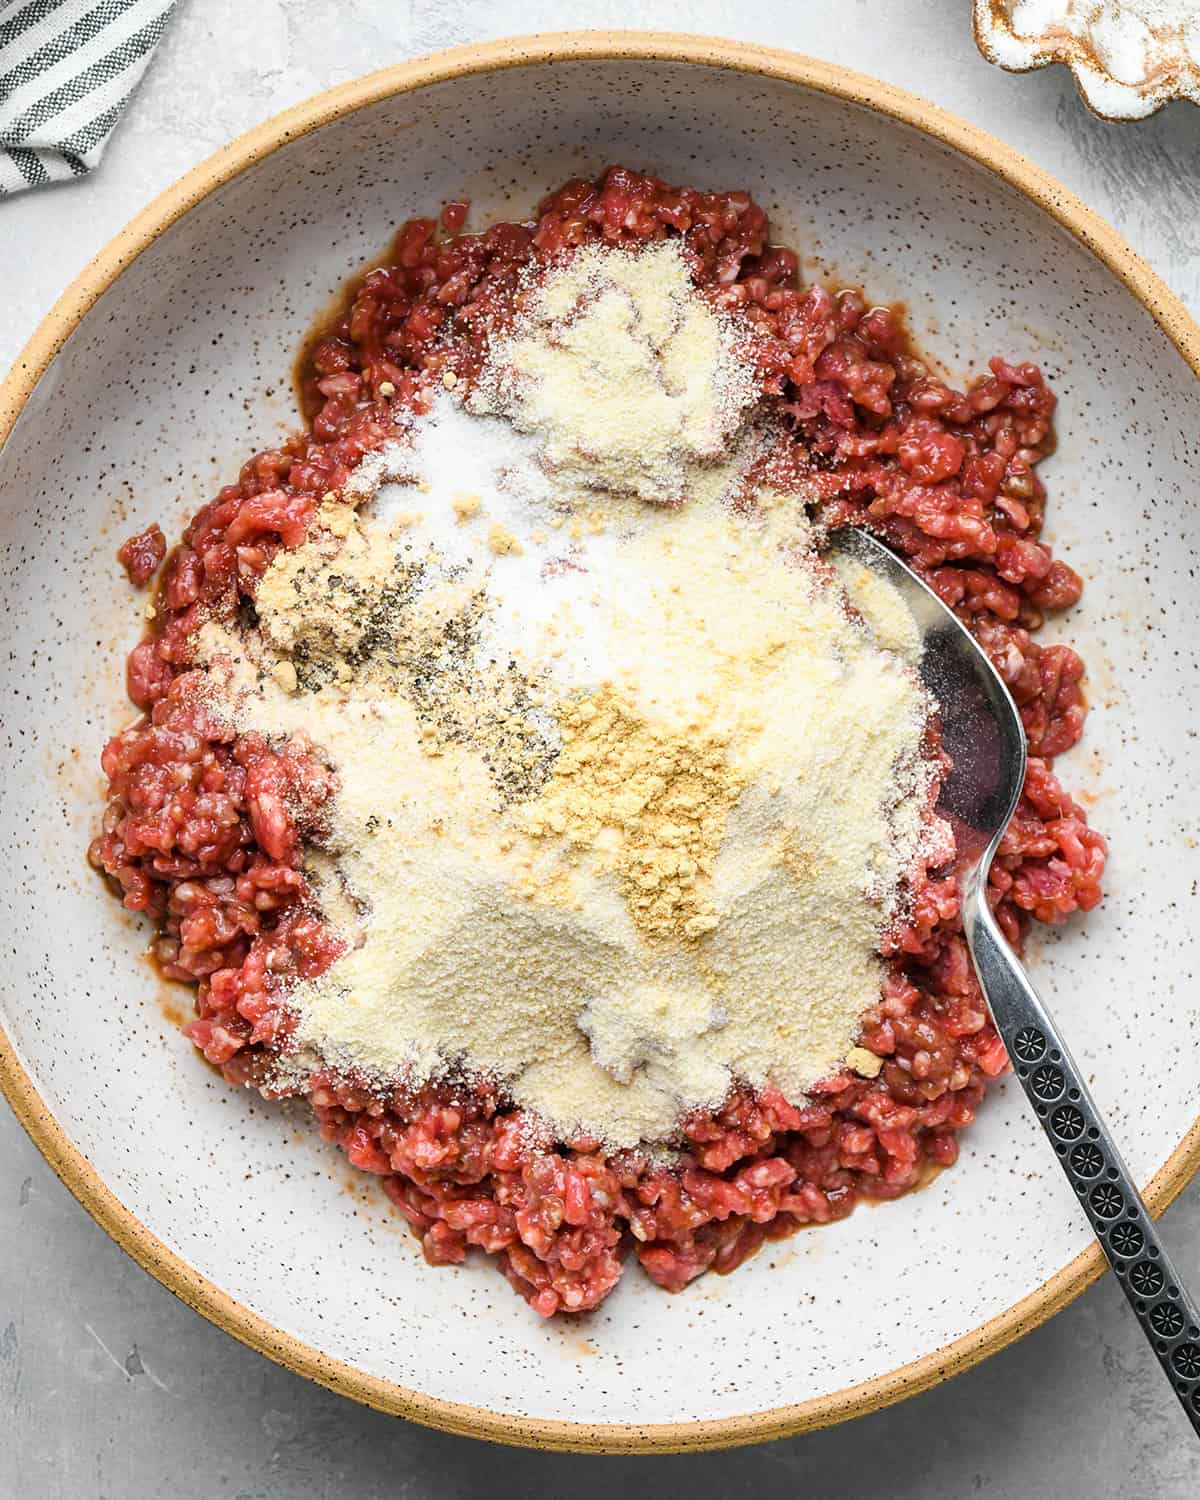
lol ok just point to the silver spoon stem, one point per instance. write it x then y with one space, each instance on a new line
1087 1153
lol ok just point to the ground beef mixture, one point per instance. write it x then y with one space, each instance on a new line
205 832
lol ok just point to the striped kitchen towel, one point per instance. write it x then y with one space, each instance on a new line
67 70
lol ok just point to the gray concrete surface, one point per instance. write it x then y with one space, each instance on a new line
109 1388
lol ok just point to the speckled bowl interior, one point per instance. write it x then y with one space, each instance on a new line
181 370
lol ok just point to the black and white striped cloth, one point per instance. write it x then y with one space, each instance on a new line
67 70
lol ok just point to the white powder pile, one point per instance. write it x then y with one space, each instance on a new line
627 379
628 794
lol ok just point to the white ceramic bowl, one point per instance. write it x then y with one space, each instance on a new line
167 363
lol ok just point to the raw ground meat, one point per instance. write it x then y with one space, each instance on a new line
141 555
205 832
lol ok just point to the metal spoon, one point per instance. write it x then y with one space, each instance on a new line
982 732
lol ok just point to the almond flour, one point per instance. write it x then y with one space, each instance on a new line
627 379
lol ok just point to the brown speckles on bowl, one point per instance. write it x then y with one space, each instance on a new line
137 404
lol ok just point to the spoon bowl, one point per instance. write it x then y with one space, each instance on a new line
981 729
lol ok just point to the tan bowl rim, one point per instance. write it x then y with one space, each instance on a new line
48 1135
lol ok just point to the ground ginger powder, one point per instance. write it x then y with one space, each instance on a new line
651 803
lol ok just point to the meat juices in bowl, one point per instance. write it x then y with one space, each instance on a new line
519 784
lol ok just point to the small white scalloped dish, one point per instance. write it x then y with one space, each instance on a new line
168 364
1129 57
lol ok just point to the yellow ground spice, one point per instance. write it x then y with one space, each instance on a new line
653 803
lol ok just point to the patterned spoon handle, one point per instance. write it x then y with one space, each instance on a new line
1107 1193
